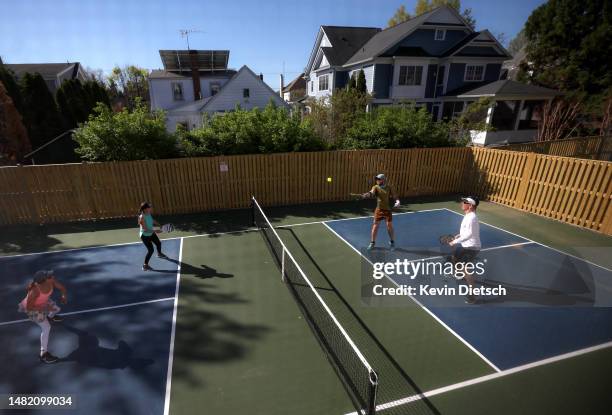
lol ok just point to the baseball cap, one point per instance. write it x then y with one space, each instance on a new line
380 176
472 200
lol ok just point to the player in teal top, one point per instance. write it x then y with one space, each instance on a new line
148 235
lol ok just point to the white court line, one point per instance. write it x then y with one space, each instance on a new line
465 342
93 310
173 333
491 376
536 242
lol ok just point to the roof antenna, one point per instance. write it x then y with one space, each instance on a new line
185 33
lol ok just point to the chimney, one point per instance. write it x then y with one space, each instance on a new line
261 76
282 85
195 75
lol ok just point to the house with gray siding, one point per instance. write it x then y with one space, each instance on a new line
195 83
433 60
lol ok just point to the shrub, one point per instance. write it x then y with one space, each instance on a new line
397 127
271 130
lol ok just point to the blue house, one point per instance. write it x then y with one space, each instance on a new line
435 60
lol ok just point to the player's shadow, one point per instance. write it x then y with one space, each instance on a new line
202 272
90 353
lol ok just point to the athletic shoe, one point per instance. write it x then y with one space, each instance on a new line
370 246
392 246
146 267
48 358
162 256
55 319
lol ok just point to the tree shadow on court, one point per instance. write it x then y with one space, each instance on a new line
90 353
206 336
394 382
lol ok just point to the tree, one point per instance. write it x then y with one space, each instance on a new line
14 141
125 135
516 44
41 115
352 83
11 85
346 107
128 84
360 84
76 100
400 16
570 48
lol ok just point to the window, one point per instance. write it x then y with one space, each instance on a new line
323 83
311 86
452 109
214 88
504 115
410 75
246 93
177 91
474 72
530 116
440 34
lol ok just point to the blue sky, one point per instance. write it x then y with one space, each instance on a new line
262 34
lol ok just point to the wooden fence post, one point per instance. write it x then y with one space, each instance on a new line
525 177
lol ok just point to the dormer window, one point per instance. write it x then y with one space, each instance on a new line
440 34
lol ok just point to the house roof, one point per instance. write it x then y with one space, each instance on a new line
385 39
345 40
46 70
161 74
507 89
201 104
298 83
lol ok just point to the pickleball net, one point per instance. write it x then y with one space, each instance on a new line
356 374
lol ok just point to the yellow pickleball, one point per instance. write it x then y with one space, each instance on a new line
329 180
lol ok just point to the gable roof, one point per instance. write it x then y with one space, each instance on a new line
345 41
298 82
201 104
46 70
507 89
387 38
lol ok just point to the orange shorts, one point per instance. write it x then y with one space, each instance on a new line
380 214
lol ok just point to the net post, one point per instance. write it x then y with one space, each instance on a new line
253 211
372 388
283 278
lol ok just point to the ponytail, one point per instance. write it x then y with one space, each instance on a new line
143 206
30 286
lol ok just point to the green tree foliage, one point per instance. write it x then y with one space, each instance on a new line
40 113
516 44
361 82
397 127
270 130
14 141
570 48
77 100
128 85
400 16
124 135
352 83
7 77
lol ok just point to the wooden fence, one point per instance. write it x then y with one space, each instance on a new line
594 148
575 191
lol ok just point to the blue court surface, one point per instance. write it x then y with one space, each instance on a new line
555 303
116 331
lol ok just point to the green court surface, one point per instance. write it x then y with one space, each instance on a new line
242 345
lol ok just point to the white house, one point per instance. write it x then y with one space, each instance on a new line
53 73
194 83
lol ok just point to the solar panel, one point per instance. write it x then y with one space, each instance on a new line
204 60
